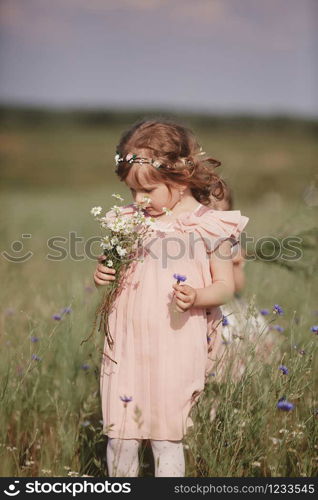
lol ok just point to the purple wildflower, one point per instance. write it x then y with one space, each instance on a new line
278 328
36 358
264 312
277 309
85 367
284 369
126 399
33 338
179 277
66 310
225 321
57 317
314 329
284 405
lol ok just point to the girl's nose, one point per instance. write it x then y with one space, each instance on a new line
140 197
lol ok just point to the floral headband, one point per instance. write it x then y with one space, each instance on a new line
133 158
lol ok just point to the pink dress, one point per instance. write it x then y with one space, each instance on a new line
162 355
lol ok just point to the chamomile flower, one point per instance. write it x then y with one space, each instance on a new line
146 199
114 240
117 196
167 211
121 251
96 211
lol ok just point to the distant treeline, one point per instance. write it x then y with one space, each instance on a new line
11 116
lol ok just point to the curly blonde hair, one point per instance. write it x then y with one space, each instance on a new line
173 145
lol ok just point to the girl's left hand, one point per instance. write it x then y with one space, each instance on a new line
185 297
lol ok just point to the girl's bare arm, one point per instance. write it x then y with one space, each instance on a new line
222 289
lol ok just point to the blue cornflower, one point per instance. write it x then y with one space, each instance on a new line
66 310
278 328
126 399
284 369
36 358
33 338
264 312
284 405
179 277
225 321
314 329
57 317
85 367
277 309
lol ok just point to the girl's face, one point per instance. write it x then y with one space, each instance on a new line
158 193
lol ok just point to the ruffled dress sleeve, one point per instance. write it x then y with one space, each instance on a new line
214 226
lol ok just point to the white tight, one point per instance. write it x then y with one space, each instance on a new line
122 458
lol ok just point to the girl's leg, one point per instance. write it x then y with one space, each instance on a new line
169 458
122 457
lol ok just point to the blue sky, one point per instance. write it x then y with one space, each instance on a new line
250 56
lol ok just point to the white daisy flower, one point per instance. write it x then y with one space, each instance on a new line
114 240
96 211
110 263
121 251
167 211
114 227
106 245
117 196
149 221
116 158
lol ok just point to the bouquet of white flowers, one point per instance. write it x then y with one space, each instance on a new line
122 237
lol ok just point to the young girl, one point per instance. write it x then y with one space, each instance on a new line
161 355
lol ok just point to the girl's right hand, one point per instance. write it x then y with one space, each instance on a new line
103 275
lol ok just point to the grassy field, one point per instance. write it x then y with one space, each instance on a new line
53 172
